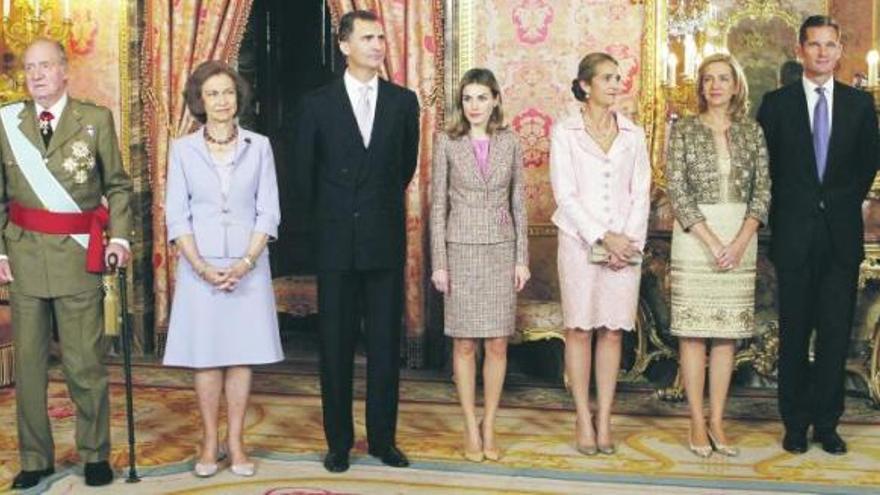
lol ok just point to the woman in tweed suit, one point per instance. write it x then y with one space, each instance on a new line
479 246
719 187
601 180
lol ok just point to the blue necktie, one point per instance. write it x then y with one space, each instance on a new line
820 132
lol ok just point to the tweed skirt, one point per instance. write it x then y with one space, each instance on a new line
481 302
706 302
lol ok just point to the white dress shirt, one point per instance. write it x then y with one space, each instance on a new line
353 88
55 110
813 97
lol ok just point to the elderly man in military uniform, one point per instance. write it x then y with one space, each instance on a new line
62 185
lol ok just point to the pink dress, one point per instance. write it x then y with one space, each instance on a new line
597 192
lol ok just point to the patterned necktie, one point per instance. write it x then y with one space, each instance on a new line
362 113
820 132
46 118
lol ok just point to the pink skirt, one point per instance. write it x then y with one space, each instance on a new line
594 296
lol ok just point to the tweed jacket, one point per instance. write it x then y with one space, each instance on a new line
84 157
470 209
692 170
222 224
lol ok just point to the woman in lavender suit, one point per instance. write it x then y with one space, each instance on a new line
221 209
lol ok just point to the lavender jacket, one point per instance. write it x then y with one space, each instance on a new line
195 204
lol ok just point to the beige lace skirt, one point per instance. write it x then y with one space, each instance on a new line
707 302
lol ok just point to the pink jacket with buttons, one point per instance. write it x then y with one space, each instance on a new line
597 192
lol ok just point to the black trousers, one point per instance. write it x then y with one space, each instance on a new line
338 315
819 296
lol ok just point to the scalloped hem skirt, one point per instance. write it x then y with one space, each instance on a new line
594 296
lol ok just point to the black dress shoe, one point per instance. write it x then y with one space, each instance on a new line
831 441
29 479
795 441
98 473
391 456
336 461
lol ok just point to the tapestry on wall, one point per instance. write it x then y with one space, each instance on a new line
534 47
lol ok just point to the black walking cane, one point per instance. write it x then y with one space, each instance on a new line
113 260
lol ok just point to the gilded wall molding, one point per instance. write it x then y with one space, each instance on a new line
125 84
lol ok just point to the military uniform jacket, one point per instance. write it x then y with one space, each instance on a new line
84 157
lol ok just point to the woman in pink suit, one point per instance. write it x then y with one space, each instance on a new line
601 181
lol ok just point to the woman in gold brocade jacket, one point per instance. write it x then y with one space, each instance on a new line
719 186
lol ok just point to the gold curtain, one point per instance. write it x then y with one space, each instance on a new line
414 30
179 36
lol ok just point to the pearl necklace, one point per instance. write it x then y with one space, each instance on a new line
590 127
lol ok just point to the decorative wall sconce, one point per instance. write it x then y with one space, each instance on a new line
23 21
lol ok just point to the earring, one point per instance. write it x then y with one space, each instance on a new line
586 95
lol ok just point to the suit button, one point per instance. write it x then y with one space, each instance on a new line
345 171
821 205
357 214
45 160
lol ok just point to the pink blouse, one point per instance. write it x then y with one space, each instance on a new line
481 153
597 192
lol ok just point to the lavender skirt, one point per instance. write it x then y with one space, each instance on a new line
211 328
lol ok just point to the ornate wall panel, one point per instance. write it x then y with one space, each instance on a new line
98 50
534 46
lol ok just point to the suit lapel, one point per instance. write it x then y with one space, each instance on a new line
244 142
346 112
28 126
68 126
837 123
465 149
381 112
491 159
804 131
377 133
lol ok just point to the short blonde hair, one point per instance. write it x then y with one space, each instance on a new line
739 104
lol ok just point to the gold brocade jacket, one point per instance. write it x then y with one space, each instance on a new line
694 177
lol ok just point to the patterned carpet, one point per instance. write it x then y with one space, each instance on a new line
284 429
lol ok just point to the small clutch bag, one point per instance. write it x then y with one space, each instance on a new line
599 255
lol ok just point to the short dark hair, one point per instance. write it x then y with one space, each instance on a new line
346 23
192 93
586 70
790 71
817 21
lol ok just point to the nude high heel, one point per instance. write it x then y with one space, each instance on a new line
703 451
471 455
493 455
723 449
585 449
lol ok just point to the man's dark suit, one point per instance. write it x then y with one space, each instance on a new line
817 244
356 196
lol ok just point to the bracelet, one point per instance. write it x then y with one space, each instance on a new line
202 269
248 261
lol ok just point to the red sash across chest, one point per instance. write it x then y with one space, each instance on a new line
92 222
